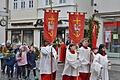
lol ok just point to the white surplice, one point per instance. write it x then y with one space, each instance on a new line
100 68
72 64
45 61
84 56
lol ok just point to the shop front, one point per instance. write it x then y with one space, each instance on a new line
112 38
22 36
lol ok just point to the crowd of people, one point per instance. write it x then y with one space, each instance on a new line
80 61
20 59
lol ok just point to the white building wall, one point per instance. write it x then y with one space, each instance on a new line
2 5
107 5
62 14
9 35
85 6
2 34
69 6
23 13
2 29
42 3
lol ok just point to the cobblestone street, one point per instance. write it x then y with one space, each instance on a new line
113 73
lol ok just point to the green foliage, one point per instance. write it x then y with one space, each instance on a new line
90 25
56 43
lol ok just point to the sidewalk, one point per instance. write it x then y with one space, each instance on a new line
115 61
115 67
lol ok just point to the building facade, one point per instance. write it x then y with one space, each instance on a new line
3 15
109 17
23 15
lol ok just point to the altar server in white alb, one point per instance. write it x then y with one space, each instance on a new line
84 57
72 63
100 65
48 71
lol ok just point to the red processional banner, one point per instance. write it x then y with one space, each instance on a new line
50 25
94 35
76 26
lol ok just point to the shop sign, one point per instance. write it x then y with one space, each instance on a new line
115 36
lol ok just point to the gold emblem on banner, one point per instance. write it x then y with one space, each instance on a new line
51 25
77 27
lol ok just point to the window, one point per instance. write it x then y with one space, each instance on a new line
15 4
16 36
92 2
28 37
47 2
62 1
30 3
22 4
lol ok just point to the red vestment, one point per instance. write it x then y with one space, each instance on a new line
62 52
65 77
48 76
84 76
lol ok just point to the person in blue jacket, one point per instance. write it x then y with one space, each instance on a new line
10 61
31 58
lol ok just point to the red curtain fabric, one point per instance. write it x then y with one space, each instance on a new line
76 26
62 52
50 24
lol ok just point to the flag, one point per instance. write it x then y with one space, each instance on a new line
94 35
76 26
50 25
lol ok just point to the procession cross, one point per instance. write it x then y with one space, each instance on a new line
77 20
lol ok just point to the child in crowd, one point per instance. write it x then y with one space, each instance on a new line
31 57
21 58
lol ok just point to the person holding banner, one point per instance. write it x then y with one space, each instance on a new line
84 57
48 63
48 71
71 68
62 51
100 65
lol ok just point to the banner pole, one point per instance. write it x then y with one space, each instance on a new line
51 47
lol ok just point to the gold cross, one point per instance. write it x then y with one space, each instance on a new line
77 20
